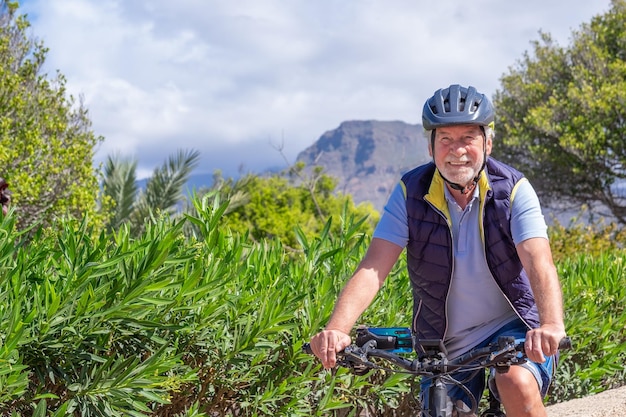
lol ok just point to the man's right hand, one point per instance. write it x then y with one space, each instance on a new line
327 343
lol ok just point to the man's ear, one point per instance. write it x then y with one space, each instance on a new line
488 146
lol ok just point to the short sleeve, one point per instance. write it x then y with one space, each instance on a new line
527 219
393 225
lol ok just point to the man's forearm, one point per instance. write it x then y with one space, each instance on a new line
361 289
549 299
536 257
355 297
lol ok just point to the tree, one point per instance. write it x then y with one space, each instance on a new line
561 116
276 205
46 141
163 191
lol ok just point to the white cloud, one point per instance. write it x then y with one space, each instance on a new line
230 78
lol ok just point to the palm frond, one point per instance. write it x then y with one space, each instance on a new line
120 184
164 189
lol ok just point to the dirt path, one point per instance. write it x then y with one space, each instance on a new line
611 403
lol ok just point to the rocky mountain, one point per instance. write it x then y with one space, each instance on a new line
368 157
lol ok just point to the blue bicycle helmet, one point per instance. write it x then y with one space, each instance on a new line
457 105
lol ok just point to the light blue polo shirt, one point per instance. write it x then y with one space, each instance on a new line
475 306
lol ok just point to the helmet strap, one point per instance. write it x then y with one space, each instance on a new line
464 189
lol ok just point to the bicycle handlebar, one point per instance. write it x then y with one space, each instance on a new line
564 344
502 354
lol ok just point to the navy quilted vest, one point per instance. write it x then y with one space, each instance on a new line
429 251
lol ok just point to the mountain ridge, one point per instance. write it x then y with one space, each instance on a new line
368 157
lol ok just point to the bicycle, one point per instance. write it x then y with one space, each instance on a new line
393 344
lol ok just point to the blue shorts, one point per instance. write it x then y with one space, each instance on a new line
474 381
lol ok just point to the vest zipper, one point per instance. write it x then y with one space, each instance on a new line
493 276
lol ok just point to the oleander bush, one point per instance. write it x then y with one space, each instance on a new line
594 290
212 324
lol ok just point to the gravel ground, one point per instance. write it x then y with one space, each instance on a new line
611 403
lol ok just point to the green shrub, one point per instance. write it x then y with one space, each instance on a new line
594 291
111 325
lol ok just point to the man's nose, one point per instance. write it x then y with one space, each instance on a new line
458 148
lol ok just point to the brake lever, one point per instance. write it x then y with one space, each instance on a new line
355 358
508 354
359 353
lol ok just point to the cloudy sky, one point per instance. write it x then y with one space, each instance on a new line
250 83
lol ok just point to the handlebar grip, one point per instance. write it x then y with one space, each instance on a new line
565 343
306 348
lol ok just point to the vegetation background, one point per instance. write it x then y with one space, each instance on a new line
116 301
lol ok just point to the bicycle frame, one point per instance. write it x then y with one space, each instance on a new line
432 362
